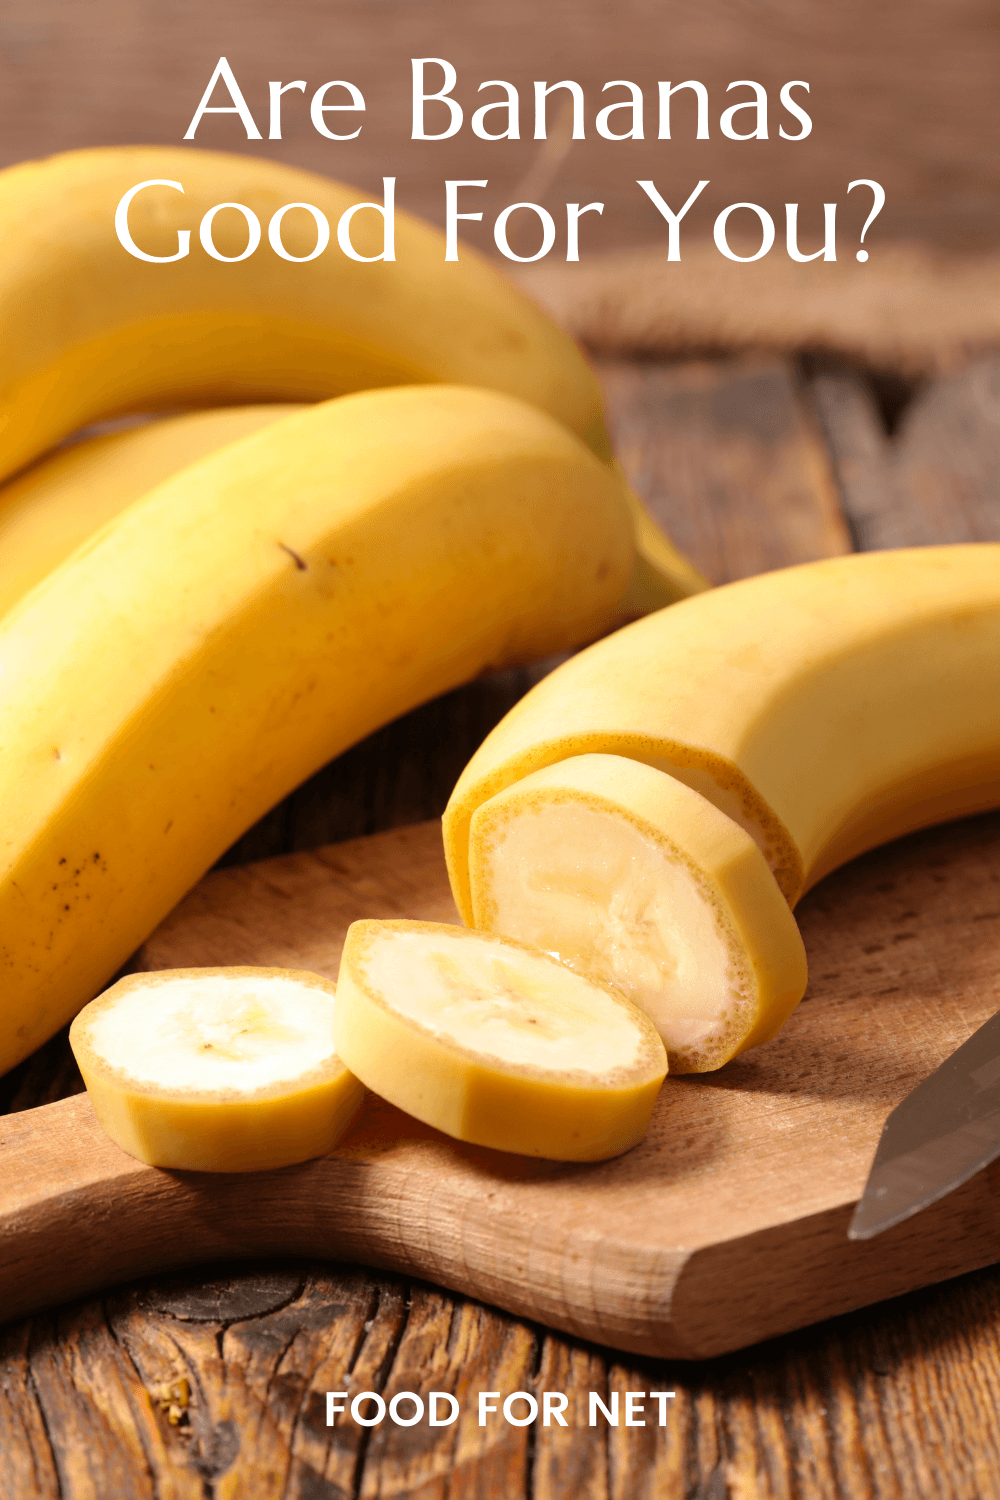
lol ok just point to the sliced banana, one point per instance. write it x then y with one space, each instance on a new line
217 1070
495 1043
629 877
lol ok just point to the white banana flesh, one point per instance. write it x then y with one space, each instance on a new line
826 708
495 1043
217 1070
631 878
820 710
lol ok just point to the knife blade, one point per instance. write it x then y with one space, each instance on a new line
943 1133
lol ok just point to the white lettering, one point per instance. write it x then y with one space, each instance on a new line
394 1408
759 103
452 1415
548 232
767 231
701 93
317 108
633 1405
796 110
452 215
634 104
542 92
238 106
573 215
331 1407
322 232
508 1409
276 90
510 104
443 94
253 232
829 250
122 230
554 1403
388 212
359 1401
661 1398
673 220
610 1416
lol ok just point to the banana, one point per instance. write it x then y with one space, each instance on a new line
88 331
495 1043
230 632
661 575
217 1070
50 509
631 878
57 504
824 709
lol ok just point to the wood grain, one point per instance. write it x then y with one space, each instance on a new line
727 459
937 477
890 1403
725 1226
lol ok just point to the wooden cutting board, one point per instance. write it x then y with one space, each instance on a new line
727 1225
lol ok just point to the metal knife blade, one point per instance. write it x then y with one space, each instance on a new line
943 1133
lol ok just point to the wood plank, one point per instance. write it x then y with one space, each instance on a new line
948 456
862 460
727 459
725 1226
937 479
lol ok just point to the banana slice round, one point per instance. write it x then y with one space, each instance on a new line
494 1042
217 1070
631 878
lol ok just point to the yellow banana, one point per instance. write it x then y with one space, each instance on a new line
49 510
661 574
227 634
217 1070
53 507
631 878
824 709
494 1042
88 331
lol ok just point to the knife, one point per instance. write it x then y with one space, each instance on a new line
943 1133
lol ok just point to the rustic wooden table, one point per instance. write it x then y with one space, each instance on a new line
212 1384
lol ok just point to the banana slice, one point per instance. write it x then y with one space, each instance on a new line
495 1043
632 879
217 1070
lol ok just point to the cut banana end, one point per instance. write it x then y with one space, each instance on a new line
217 1070
631 878
495 1043
661 575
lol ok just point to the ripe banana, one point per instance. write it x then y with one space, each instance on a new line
495 1043
824 709
217 1070
49 510
88 331
233 630
53 507
630 878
